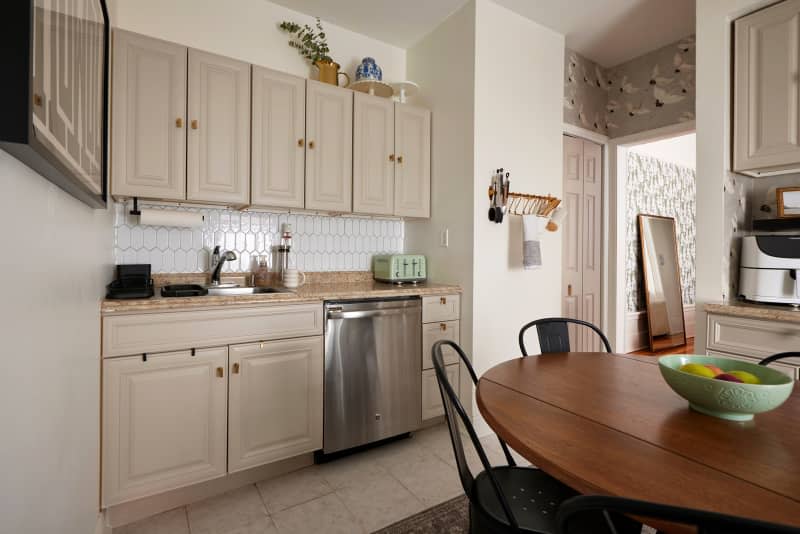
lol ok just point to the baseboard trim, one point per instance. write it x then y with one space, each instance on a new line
100 526
125 513
636 335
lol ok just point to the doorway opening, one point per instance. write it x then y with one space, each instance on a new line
654 177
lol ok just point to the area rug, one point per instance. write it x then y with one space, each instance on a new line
450 517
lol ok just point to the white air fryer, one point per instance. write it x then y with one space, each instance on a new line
769 269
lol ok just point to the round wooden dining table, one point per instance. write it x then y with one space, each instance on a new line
609 424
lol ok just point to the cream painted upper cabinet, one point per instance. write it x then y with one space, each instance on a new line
373 155
275 401
218 146
164 422
148 134
767 90
279 126
329 147
412 143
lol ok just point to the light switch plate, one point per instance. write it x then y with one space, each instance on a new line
444 238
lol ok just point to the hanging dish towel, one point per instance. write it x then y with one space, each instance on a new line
531 245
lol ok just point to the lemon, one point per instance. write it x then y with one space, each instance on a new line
744 376
697 369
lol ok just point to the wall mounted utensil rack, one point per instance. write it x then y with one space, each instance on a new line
503 202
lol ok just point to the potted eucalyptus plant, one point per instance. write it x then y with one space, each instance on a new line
313 45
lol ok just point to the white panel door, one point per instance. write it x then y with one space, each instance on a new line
592 242
329 147
148 134
163 422
431 397
373 155
218 153
767 89
275 401
412 141
279 128
572 230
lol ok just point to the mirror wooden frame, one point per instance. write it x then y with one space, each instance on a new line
780 204
667 341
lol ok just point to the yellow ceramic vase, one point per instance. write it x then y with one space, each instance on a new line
329 73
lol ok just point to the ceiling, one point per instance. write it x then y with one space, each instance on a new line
608 32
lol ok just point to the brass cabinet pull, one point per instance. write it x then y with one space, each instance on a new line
301 142
569 290
311 145
391 157
220 372
37 100
179 122
195 124
236 368
400 159
443 300
443 327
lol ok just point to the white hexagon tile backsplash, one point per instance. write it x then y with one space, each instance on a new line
320 243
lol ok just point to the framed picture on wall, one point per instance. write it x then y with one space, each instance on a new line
54 93
788 201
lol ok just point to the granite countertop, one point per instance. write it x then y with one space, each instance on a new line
312 292
752 310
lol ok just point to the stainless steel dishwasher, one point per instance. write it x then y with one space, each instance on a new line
373 382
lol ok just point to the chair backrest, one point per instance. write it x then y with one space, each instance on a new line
456 417
781 355
573 512
554 334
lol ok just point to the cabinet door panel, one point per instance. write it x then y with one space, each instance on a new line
279 114
767 91
373 155
433 332
164 422
431 397
148 115
329 147
413 170
218 156
275 401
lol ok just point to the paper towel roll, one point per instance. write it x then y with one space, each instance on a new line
170 218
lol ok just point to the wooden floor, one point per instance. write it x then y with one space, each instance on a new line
685 349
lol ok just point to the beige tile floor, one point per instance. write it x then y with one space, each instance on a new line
356 494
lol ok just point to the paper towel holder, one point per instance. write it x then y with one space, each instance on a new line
135 210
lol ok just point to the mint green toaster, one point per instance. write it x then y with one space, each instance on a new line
399 268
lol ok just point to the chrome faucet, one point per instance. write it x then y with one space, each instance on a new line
227 256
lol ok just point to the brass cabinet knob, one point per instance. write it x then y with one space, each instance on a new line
220 372
37 100
236 368
179 122
391 157
195 124
443 327
569 290
311 145
443 300
400 159
301 142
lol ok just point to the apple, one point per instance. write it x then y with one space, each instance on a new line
729 378
744 376
697 369
714 369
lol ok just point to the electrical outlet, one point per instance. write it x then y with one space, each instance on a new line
444 238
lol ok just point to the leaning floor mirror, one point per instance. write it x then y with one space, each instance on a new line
662 282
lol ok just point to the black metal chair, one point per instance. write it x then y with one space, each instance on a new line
574 514
554 334
503 499
781 355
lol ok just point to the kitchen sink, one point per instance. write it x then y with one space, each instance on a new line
244 290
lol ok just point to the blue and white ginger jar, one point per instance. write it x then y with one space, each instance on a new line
368 70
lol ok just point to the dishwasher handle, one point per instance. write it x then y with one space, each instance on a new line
337 313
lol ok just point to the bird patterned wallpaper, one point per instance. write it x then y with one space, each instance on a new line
647 92
675 196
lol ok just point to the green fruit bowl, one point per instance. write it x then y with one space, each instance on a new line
726 400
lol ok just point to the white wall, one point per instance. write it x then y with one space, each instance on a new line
248 30
518 124
55 263
713 148
680 150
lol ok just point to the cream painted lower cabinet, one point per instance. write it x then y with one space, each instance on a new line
431 397
164 422
275 408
